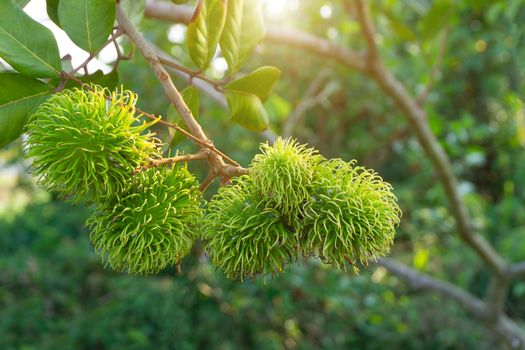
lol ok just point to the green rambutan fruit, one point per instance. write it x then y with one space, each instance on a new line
244 235
283 172
85 146
151 224
351 215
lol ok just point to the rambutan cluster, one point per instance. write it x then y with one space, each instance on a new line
295 202
90 145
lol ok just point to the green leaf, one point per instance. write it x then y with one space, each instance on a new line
437 17
191 97
247 110
204 31
260 82
19 96
26 45
109 80
87 22
243 31
134 10
52 10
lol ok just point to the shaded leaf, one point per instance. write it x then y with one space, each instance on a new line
52 10
243 31
260 82
19 96
204 31
87 22
26 45
247 110
109 80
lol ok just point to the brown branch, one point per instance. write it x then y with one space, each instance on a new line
517 270
418 121
191 74
168 161
504 327
435 69
83 65
209 179
367 27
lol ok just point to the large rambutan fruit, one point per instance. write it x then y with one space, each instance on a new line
244 235
85 146
151 224
284 172
351 215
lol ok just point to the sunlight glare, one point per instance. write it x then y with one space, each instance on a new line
279 9
275 8
326 11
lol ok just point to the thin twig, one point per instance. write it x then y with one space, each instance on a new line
192 74
92 55
367 26
310 99
172 160
209 179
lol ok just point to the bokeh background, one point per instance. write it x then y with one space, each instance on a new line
55 294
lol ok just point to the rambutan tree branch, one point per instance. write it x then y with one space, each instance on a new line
417 118
201 155
503 326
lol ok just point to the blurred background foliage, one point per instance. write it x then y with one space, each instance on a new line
54 293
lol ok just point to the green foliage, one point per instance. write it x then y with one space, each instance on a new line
205 29
19 96
247 110
87 22
260 82
351 215
86 147
151 224
26 45
284 173
243 31
246 96
244 235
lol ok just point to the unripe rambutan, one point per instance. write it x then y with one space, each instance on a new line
283 172
351 215
86 147
151 224
245 236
